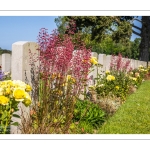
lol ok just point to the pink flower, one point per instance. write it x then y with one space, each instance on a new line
57 56
120 64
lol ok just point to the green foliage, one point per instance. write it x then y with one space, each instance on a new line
118 87
109 47
100 26
135 48
138 75
2 51
120 80
133 116
7 130
86 111
62 24
83 127
104 34
6 113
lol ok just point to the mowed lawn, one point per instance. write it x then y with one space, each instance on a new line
133 117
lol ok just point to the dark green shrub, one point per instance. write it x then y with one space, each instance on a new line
89 112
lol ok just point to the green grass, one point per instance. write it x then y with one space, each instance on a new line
133 117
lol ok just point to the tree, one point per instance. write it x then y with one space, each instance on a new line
135 48
144 33
119 27
61 23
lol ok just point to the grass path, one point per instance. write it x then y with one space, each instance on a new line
133 117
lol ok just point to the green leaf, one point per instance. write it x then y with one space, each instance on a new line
15 124
15 115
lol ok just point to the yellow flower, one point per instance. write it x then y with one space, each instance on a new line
93 61
107 72
27 101
19 94
10 83
141 70
4 100
134 79
28 88
8 91
110 78
70 78
117 87
146 70
140 66
137 74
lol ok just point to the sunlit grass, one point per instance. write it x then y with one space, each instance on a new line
133 117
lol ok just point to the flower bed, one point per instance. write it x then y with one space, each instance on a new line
11 94
112 88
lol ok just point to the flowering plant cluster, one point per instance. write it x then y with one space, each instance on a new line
138 75
93 61
110 78
119 64
59 80
121 79
115 82
4 75
114 85
11 94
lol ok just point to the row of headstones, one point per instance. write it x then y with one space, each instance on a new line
18 64
105 61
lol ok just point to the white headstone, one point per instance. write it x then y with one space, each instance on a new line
144 63
20 64
108 61
132 62
6 62
136 64
102 61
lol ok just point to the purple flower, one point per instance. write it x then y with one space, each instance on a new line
1 75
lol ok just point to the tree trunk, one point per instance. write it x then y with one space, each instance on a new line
145 38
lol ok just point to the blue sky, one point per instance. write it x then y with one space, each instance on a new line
137 23
25 28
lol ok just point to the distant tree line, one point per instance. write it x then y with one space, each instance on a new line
2 51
